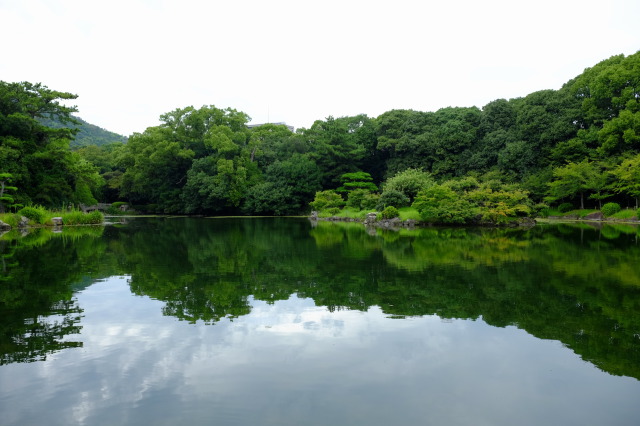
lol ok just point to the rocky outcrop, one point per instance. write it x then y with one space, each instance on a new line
526 222
4 226
594 216
371 218
23 223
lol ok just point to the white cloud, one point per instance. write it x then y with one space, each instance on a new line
130 61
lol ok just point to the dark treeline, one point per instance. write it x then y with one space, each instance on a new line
579 144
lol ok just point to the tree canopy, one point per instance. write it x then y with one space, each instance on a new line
569 145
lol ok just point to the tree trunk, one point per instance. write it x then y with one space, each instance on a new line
581 201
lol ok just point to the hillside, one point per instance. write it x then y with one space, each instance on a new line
88 134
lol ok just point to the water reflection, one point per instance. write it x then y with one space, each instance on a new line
576 285
40 271
292 362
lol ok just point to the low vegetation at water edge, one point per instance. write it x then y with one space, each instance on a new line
39 216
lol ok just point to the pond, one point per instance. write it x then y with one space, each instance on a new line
279 321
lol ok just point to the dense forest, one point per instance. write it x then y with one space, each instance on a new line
577 146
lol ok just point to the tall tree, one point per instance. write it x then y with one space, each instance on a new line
628 177
38 156
6 198
575 179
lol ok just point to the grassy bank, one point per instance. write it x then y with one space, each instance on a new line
625 214
39 216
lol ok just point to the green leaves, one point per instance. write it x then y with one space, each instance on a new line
440 204
409 182
356 180
327 200
627 174
576 179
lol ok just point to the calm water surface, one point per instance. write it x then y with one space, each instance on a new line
278 322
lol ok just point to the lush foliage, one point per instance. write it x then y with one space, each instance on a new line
610 209
43 168
77 217
327 200
37 214
393 198
579 144
6 197
355 181
409 182
389 212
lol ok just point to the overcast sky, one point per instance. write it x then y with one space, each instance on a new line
299 61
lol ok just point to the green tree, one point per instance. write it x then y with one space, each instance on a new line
288 188
38 156
575 179
441 204
620 134
327 199
336 148
409 182
266 143
627 174
356 180
156 169
6 199
217 185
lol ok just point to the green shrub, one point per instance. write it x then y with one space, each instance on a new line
333 211
390 212
409 182
94 218
392 198
117 204
37 214
112 210
330 212
370 201
355 198
77 217
565 207
326 200
610 209
10 219
440 204
546 212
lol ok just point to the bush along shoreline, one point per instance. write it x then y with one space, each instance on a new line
451 211
37 216
378 220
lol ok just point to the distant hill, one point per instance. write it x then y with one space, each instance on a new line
88 134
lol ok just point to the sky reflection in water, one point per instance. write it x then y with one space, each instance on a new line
294 363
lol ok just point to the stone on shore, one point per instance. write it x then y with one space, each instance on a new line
594 216
23 223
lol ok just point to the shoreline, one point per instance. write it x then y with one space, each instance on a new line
397 223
